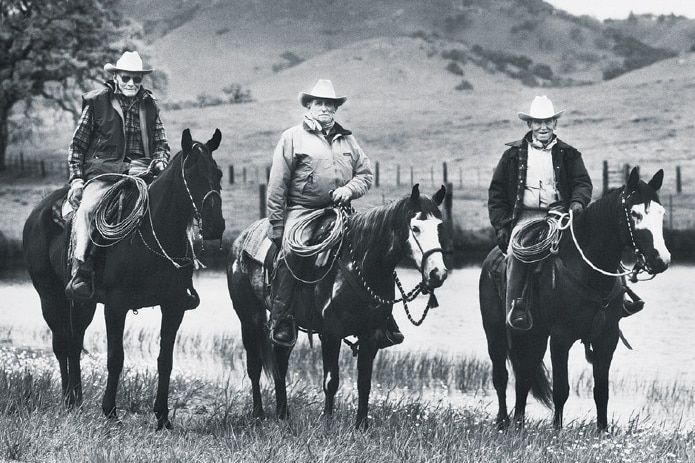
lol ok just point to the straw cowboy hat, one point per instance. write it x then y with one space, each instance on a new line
129 62
323 89
541 108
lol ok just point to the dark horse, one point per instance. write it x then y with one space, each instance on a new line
580 297
353 298
152 266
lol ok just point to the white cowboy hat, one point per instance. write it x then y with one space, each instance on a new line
323 89
541 108
129 62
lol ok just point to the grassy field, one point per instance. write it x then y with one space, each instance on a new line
213 424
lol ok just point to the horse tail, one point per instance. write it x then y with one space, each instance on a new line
270 366
540 385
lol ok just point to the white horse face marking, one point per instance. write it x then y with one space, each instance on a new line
423 238
648 223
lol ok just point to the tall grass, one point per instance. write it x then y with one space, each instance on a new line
213 424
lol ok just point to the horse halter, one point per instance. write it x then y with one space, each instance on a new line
196 212
425 254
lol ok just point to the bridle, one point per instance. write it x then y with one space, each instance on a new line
640 266
420 288
213 192
196 215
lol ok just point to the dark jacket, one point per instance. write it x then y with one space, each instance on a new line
106 150
505 195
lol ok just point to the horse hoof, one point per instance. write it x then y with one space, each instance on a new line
166 424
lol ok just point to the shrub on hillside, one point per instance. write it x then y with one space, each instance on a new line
464 85
455 55
290 60
454 68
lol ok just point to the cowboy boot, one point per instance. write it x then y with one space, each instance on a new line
81 286
390 335
283 331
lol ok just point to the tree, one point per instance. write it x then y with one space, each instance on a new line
51 49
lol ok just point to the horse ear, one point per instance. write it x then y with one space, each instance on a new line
633 180
657 180
439 196
415 193
186 141
214 142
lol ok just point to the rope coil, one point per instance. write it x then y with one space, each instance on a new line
106 216
544 236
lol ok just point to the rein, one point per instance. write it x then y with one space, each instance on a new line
641 264
405 297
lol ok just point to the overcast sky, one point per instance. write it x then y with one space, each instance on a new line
620 9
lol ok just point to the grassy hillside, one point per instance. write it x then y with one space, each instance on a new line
206 45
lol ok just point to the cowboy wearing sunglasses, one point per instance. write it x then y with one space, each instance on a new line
119 131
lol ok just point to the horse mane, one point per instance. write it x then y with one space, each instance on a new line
603 210
380 233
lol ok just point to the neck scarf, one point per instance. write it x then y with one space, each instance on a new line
540 146
316 126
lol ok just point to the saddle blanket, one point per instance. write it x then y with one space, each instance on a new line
256 242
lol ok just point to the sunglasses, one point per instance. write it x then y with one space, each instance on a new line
126 79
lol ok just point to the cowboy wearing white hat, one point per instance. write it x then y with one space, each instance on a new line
119 128
534 173
316 164
324 90
130 61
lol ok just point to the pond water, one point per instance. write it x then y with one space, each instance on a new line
661 335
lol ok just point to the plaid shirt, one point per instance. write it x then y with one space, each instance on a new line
133 138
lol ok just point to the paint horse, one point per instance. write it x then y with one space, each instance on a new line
151 266
580 297
352 298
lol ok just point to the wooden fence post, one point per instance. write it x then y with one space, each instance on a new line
605 177
449 224
376 175
412 176
243 174
42 166
445 174
261 200
398 175
678 180
231 174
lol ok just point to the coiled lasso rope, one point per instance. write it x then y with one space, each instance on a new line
294 242
545 233
104 216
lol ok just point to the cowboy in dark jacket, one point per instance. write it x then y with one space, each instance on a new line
533 173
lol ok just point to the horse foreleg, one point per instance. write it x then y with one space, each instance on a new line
171 321
603 356
330 348
282 356
559 354
365 365
115 322
81 317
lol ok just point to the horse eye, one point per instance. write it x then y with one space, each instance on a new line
416 229
636 215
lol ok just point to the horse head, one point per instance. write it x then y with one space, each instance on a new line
202 178
424 239
645 216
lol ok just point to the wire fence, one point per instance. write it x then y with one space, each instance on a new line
469 183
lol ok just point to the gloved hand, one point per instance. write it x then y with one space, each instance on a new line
503 239
341 196
75 193
576 207
277 241
158 165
